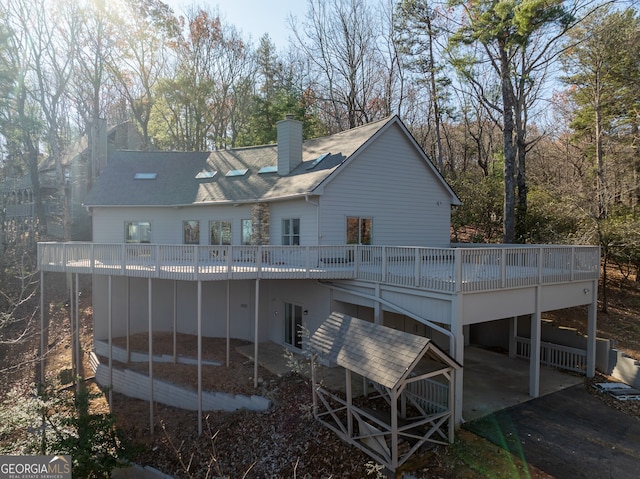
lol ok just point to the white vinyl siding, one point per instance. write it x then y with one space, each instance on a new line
166 223
406 202
305 211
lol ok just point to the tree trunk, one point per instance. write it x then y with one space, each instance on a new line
509 226
32 161
434 97
61 183
522 188
601 186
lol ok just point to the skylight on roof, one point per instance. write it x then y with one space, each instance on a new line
268 169
317 160
237 172
206 174
145 176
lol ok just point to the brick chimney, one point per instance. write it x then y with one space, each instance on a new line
289 145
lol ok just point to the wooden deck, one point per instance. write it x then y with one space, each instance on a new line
446 270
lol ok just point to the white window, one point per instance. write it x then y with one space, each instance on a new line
247 232
191 232
220 232
137 232
359 230
291 231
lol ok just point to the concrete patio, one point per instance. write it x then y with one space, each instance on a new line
492 381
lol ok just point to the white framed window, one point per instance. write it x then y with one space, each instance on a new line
137 232
247 232
359 230
291 232
219 232
191 232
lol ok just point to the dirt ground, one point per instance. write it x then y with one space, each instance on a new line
237 378
285 441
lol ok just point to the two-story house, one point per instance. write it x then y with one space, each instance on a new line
257 243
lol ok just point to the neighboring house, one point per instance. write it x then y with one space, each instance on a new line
258 243
81 166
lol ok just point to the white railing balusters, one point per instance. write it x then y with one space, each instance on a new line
473 269
554 355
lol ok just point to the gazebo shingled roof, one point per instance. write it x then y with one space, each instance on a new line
377 352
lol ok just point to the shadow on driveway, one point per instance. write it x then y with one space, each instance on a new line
567 434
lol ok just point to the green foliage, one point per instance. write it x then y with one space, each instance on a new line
620 237
510 23
602 67
479 219
278 95
549 219
56 420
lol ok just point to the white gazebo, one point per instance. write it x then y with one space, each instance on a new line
410 373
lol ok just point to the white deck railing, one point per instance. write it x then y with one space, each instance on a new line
554 355
449 270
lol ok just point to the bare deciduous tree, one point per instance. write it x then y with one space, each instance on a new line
340 38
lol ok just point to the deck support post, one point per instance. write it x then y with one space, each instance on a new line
77 335
110 329
377 310
199 358
457 352
513 334
175 322
255 344
534 350
150 356
592 317
42 316
228 322
72 304
128 295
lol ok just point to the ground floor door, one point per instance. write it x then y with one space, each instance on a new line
293 325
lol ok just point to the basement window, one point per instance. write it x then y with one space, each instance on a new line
145 176
241 172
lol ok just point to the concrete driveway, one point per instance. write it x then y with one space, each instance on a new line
567 434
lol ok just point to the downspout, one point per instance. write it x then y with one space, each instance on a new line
306 198
452 338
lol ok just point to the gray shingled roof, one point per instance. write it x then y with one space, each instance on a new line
176 185
381 354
